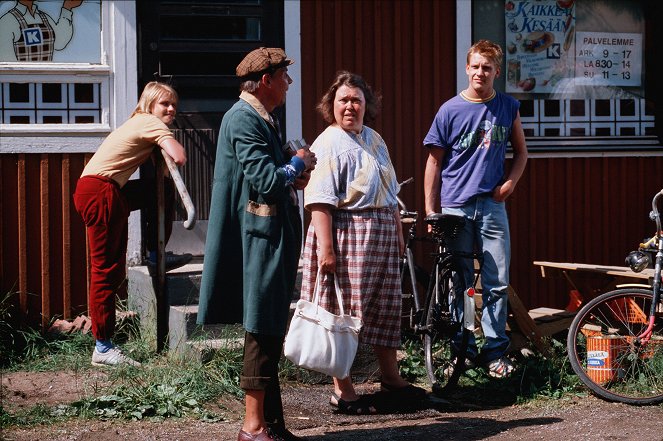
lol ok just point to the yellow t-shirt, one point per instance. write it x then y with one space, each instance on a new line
127 147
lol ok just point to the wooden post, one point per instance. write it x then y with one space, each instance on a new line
160 280
525 323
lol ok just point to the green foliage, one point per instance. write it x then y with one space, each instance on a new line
164 386
39 414
142 401
53 352
536 377
413 365
8 344
167 387
550 378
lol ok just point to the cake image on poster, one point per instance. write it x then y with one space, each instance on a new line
538 41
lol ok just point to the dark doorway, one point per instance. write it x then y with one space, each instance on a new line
196 45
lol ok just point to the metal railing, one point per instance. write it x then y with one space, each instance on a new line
159 280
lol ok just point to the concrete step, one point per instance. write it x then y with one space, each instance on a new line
191 341
188 339
182 288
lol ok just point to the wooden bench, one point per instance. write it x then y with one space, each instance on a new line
532 325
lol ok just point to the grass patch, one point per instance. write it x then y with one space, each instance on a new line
164 386
168 386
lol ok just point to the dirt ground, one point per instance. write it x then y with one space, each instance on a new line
309 415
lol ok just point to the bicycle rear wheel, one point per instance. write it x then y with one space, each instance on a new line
606 354
444 352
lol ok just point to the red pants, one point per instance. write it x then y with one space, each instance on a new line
105 210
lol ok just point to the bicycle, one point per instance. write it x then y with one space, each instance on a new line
615 342
442 317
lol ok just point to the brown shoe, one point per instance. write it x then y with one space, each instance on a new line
264 435
280 430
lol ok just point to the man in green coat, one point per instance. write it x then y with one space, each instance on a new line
254 235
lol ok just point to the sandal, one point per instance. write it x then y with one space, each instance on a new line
360 406
500 367
409 392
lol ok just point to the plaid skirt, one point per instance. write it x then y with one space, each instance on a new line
367 265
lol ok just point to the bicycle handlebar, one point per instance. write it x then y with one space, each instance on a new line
655 214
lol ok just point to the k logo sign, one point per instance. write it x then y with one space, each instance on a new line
32 36
553 51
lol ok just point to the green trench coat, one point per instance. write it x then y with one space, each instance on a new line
254 233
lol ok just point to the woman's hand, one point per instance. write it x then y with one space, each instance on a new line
327 261
321 219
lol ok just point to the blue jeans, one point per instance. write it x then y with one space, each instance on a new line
486 229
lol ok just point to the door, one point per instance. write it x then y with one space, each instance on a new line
196 46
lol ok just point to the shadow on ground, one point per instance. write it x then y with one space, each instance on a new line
467 429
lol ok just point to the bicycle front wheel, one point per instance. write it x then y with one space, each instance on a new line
606 353
445 344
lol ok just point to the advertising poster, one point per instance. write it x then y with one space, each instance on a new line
63 31
540 44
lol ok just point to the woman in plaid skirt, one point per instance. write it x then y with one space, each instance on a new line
355 234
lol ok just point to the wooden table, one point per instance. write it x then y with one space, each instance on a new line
589 280
586 282
612 271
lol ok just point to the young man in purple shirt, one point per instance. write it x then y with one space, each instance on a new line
465 176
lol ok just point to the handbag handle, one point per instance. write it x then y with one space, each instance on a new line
337 288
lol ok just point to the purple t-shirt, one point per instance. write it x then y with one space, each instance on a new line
474 136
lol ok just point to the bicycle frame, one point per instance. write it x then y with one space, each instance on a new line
656 283
615 340
442 266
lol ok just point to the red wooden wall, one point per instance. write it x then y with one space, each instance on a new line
43 261
576 209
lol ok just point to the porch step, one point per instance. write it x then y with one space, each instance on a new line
182 289
185 337
188 339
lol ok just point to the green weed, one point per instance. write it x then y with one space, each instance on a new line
412 366
166 387
536 377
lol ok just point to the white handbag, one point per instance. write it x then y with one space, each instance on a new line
319 340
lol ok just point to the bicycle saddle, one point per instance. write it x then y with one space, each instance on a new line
447 225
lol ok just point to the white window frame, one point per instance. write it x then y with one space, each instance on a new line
117 75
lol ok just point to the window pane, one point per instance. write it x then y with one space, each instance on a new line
577 66
50 103
195 27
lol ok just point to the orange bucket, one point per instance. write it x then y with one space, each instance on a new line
602 351
654 347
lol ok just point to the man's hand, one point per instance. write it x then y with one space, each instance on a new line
301 182
308 157
502 192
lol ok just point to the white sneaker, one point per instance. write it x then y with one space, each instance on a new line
500 367
112 357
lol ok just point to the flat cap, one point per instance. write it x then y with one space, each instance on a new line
258 61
